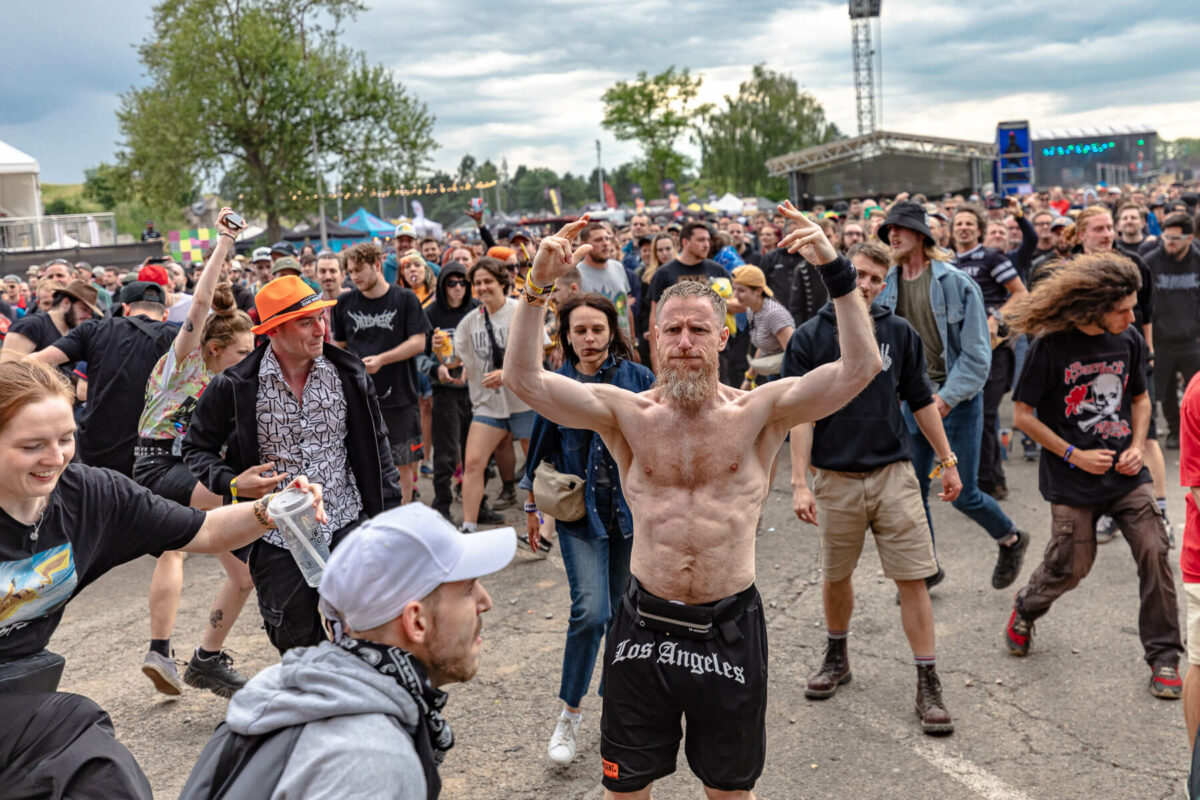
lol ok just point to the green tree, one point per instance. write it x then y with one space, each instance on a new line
237 92
769 116
105 185
655 112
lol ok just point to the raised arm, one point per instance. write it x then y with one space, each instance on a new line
830 386
559 399
188 338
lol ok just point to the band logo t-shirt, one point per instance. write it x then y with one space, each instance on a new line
370 326
1083 388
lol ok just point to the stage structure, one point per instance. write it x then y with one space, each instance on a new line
884 163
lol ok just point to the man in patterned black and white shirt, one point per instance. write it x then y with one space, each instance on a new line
314 412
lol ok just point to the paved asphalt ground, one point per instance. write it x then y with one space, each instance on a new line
1073 720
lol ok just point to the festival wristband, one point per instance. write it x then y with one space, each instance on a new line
949 461
838 276
232 238
1067 455
233 489
536 290
531 508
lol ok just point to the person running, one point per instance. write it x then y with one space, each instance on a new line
596 546
64 526
688 638
863 478
1082 396
205 346
480 341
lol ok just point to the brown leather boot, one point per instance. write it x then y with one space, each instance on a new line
833 673
935 719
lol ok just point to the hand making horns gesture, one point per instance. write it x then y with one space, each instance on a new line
807 238
554 257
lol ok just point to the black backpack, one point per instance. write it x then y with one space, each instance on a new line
237 767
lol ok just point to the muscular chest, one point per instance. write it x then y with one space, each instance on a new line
704 452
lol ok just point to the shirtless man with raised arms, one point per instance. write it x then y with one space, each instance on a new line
694 459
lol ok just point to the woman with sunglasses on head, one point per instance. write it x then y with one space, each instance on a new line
596 547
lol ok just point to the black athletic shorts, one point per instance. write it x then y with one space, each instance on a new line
404 433
716 680
166 476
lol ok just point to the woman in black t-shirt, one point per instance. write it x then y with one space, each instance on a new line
62 526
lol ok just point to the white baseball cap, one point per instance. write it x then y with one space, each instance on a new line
405 229
400 556
261 254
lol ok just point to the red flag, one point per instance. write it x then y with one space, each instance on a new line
610 197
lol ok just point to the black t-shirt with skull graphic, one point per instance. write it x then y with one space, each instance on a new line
1083 388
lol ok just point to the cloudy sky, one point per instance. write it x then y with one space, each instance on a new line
522 80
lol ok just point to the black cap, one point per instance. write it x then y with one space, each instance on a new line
144 292
283 249
907 214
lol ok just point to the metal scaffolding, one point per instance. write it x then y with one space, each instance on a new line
864 77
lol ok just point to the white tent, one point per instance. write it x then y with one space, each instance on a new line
729 204
20 191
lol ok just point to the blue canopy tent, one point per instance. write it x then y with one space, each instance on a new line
364 220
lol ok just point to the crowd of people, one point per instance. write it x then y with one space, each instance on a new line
650 373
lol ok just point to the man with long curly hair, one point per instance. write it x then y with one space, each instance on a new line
1082 396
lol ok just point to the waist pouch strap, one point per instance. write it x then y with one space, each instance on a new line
700 623
39 672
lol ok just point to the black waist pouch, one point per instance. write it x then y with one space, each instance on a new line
700 623
39 672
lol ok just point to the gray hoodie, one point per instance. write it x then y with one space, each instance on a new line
359 725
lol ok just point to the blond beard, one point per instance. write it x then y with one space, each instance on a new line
689 389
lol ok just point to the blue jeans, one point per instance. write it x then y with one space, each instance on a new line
964 429
598 573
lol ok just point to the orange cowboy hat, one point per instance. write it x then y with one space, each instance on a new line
285 299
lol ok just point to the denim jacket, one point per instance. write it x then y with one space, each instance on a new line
961 318
580 452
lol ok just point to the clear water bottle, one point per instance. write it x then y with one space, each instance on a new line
296 520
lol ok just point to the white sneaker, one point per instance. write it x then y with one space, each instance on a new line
562 743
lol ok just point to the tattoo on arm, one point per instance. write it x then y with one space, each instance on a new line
188 326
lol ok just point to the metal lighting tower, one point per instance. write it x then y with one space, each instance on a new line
861 14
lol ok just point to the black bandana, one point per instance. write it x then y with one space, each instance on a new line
434 736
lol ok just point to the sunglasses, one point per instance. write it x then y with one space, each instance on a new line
455 282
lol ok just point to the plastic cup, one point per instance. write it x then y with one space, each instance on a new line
296 520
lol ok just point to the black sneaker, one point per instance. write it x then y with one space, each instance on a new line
1030 448
507 498
215 674
1008 562
489 517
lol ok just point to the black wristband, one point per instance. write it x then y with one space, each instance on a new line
839 277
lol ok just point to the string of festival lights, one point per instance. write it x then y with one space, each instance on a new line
416 191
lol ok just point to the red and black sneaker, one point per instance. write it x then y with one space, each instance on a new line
1018 634
1166 683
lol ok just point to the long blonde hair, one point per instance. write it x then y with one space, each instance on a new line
652 267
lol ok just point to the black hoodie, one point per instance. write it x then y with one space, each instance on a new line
441 315
869 432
